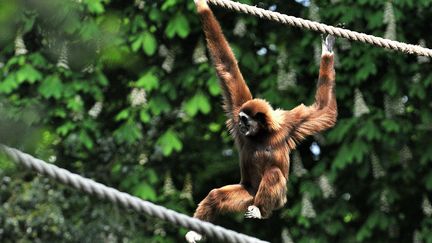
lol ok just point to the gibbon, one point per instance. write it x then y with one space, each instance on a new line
263 136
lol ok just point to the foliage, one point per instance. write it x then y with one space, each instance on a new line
124 93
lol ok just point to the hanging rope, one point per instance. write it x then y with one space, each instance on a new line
323 28
103 192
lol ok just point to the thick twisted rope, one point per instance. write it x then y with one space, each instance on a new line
103 192
323 28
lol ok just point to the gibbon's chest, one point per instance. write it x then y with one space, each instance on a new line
258 154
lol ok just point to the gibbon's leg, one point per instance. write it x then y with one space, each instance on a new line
271 194
231 198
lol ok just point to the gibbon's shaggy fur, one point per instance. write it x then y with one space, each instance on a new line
263 136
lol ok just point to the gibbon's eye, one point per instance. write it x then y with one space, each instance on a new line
261 118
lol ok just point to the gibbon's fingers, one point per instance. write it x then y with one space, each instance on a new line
327 45
193 237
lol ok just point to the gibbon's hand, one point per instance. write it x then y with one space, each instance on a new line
201 4
327 44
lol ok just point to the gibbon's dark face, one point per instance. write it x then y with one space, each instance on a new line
251 125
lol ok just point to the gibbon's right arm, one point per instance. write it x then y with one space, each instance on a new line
235 90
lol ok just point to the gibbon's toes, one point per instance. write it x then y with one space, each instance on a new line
193 237
327 45
253 213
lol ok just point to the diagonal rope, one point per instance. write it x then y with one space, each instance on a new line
323 28
103 192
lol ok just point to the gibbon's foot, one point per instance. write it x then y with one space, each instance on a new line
327 45
193 237
253 213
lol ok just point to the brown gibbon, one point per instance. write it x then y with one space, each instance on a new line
263 136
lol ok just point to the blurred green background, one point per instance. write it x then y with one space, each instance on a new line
123 92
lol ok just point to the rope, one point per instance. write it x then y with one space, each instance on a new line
103 192
323 28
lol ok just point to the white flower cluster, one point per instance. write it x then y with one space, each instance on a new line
170 55
405 155
384 203
426 206
298 168
96 109
240 28
286 236
187 188
377 170
199 54
168 186
326 187
63 58
393 106
20 48
140 4
307 210
138 97
285 79
390 20
360 106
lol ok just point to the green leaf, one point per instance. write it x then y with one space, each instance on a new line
9 84
390 126
197 103
159 104
148 81
214 127
137 43
369 130
28 73
64 129
340 131
122 115
145 191
169 142
389 86
213 86
168 4
95 6
144 116
129 132
51 87
178 25
349 153
85 139
149 43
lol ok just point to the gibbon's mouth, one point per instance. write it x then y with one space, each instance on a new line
244 129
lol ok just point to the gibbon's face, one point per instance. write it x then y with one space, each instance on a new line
251 125
252 118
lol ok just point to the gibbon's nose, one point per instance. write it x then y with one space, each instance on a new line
244 118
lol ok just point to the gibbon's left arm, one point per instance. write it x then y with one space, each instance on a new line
307 120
